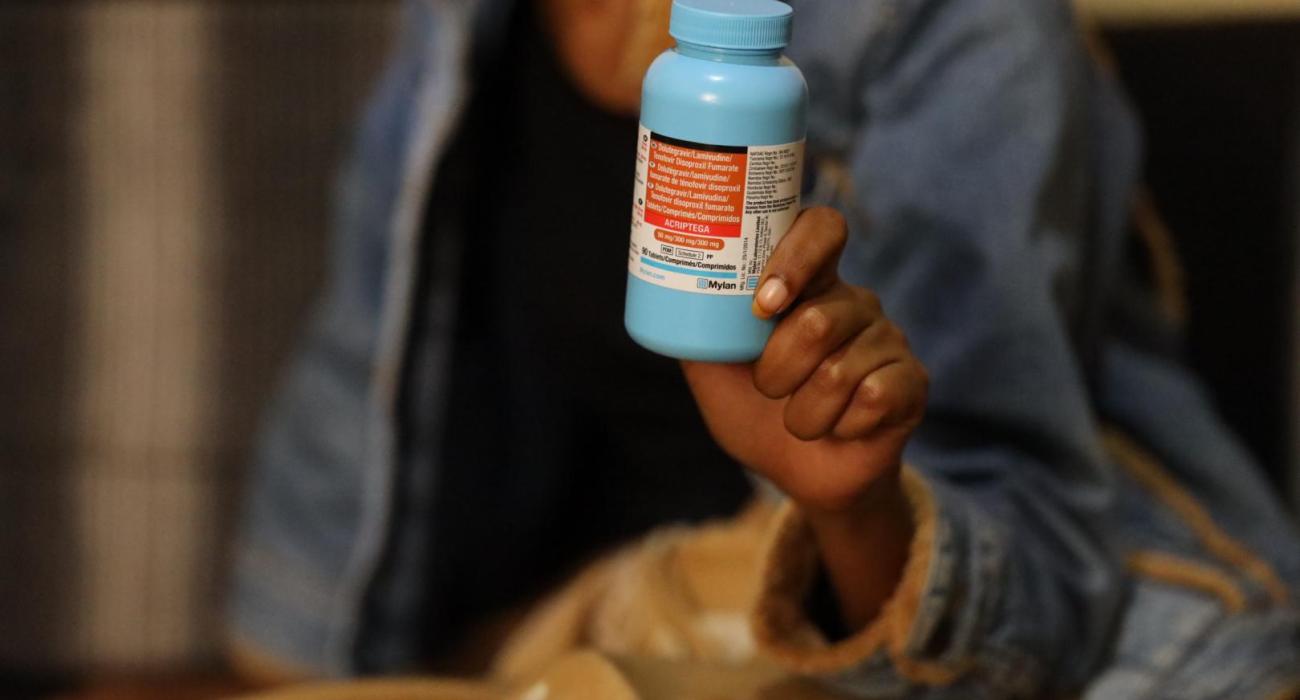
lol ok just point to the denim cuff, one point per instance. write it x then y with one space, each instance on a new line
785 633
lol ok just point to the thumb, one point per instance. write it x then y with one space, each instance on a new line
804 263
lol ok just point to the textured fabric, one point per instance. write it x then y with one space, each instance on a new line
986 169
675 603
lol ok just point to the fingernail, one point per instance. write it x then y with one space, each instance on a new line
772 295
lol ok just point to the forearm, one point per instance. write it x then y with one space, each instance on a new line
863 549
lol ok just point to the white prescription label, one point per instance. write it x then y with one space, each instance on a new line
705 217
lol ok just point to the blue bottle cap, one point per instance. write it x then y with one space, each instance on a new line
732 24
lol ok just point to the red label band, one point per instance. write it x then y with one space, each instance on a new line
684 225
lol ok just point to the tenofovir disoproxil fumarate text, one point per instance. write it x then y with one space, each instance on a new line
719 162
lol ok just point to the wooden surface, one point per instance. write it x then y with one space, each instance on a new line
1149 12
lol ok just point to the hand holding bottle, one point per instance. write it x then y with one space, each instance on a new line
826 410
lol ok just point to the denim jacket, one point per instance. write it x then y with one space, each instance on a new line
1090 526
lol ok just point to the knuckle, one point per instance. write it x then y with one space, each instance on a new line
814 326
869 395
830 378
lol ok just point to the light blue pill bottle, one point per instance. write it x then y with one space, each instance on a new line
718 166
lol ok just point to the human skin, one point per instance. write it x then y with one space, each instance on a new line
826 410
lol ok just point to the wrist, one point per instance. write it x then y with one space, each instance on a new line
883 498
864 547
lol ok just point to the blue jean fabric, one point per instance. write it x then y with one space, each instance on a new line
986 167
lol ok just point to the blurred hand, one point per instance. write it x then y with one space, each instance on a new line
606 46
826 410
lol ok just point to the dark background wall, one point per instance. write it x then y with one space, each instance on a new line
1221 107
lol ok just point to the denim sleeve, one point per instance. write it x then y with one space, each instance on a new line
979 205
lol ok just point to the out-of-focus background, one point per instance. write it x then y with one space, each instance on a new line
165 172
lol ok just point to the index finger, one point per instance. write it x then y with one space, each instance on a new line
804 262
